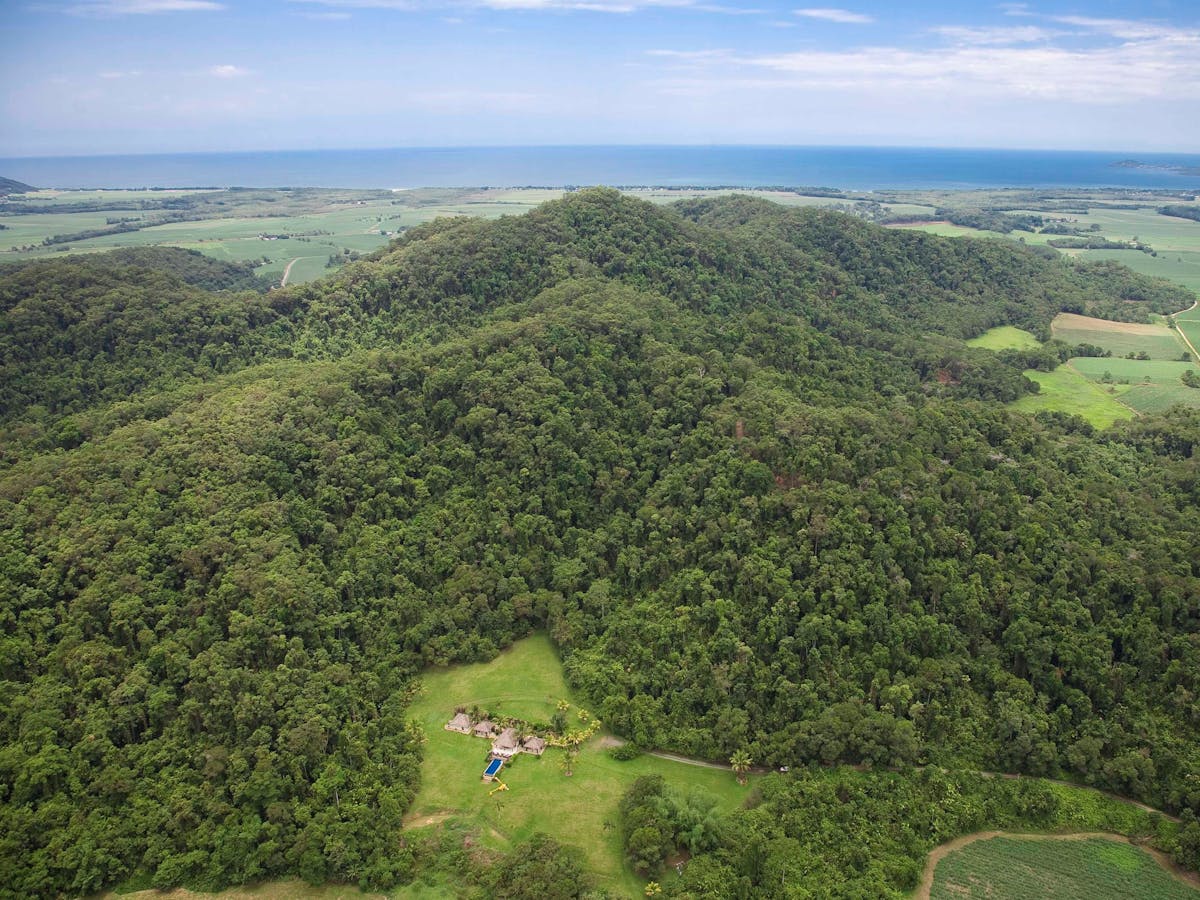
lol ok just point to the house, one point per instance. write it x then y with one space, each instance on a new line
507 744
484 729
460 723
534 745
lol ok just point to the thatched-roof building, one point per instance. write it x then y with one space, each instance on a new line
460 723
484 729
506 744
534 745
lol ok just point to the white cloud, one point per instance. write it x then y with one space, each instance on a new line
113 76
227 71
1019 34
691 55
140 7
603 6
1021 67
1103 75
1125 29
841 16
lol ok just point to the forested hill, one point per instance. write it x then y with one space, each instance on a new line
755 502
8 186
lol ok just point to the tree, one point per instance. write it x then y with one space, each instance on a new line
741 762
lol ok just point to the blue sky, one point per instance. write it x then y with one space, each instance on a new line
129 76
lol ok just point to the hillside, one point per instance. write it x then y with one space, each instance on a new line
8 186
737 461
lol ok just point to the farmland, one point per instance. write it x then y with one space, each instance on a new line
1188 323
1122 338
1066 390
320 229
1148 386
1017 867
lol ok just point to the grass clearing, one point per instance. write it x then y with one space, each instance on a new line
527 681
1122 338
1066 390
1019 867
1005 337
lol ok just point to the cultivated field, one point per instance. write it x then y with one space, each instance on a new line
1005 337
230 225
527 681
1122 338
1148 386
1065 390
1018 868
1189 324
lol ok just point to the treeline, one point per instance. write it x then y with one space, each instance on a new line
1181 212
842 834
734 458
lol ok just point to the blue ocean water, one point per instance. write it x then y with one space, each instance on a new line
851 168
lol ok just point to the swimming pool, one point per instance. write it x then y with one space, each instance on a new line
493 768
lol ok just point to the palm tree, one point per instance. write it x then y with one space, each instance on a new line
741 763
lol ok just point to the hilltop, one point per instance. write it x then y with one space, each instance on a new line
8 186
737 461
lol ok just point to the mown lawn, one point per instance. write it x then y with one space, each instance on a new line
527 681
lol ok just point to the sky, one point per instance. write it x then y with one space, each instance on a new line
148 76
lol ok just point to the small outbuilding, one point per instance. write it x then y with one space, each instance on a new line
534 745
484 729
507 744
460 723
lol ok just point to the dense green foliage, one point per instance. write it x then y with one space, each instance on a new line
1181 212
849 834
82 331
8 186
738 462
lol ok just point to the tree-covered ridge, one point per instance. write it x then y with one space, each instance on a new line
749 520
82 331
8 186
952 287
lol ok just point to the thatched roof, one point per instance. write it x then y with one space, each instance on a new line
484 728
507 739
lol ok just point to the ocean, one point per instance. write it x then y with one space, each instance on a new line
849 168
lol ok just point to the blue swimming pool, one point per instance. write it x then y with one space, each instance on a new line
493 768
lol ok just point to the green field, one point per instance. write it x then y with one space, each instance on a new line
1122 338
1065 390
1188 323
527 681
228 224
1005 337
1153 385
1014 868
946 229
